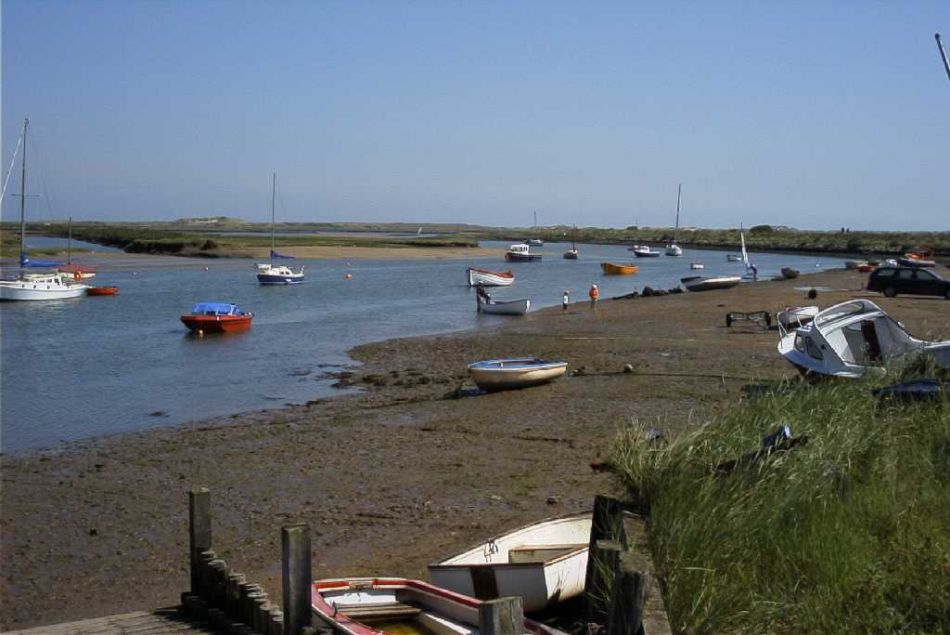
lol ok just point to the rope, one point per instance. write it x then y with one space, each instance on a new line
6 181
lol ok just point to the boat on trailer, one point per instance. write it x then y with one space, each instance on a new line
378 606
217 317
709 283
513 373
486 278
848 339
543 563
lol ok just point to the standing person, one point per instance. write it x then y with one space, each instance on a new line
565 301
594 295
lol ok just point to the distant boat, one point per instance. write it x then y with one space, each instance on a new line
672 249
644 251
506 374
696 266
37 286
915 262
269 273
385 605
613 269
217 317
733 258
102 290
571 254
520 253
701 283
854 264
536 242
789 273
486 278
543 563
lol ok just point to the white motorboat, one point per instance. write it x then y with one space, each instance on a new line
644 251
520 253
708 283
380 606
543 563
505 307
268 272
795 316
486 278
672 249
697 266
521 372
847 339
37 286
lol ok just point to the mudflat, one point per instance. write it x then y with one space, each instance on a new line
406 471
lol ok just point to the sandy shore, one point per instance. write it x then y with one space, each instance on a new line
399 474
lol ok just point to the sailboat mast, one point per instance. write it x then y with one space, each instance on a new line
69 241
273 195
26 122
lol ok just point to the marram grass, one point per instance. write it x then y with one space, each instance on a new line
847 533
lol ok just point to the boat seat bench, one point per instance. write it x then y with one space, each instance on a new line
388 610
540 553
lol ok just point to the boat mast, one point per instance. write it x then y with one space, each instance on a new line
679 192
273 194
943 54
26 122
69 241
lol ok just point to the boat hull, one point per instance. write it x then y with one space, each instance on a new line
268 278
700 283
570 254
788 273
217 323
511 374
513 257
102 290
38 290
485 278
512 307
542 563
612 269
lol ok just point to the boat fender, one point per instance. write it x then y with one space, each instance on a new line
77 276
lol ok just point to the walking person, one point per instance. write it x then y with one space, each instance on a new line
594 295
565 301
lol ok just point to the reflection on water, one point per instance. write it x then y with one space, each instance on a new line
95 366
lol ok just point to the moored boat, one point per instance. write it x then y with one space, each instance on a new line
543 563
504 307
377 606
644 251
733 258
613 269
535 242
217 317
572 253
102 290
696 266
788 273
268 272
522 372
520 253
708 283
486 278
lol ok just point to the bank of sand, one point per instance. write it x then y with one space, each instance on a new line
400 474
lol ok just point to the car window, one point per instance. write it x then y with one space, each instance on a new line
905 274
926 275
884 273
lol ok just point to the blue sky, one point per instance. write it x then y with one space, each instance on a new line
812 114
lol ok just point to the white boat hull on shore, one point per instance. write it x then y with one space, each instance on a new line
700 283
507 374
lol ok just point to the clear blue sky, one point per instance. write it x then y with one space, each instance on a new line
813 114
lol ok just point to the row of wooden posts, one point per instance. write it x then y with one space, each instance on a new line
615 586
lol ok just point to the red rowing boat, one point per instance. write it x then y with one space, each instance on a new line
102 290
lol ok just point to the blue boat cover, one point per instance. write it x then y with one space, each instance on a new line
26 262
274 254
214 308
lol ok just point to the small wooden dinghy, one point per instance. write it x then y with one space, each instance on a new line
543 563
102 290
700 283
509 307
507 374
613 269
377 606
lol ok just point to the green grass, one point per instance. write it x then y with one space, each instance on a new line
847 533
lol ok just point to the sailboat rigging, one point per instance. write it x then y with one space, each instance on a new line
672 249
269 273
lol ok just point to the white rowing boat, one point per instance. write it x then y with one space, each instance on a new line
486 278
543 563
505 374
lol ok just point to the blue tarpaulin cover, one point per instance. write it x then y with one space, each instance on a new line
26 262
214 308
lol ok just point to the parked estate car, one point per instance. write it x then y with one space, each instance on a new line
911 280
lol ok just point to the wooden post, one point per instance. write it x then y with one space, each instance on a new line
199 531
296 578
629 595
504 616
603 562
606 524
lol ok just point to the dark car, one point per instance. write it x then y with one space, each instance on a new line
911 280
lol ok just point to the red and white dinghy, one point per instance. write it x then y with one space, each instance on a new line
485 278
376 606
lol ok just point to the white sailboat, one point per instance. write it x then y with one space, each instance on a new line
751 271
269 273
50 285
672 249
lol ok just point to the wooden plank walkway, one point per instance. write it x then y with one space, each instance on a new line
157 622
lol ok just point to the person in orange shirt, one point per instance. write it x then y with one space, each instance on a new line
594 294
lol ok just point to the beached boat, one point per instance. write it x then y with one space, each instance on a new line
520 253
795 316
847 339
217 317
708 283
696 266
613 269
505 307
50 285
506 374
486 278
543 563
644 251
672 249
268 272
866 268
916 262
387 606
789 273
102 290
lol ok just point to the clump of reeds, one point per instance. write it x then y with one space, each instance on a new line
849 532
